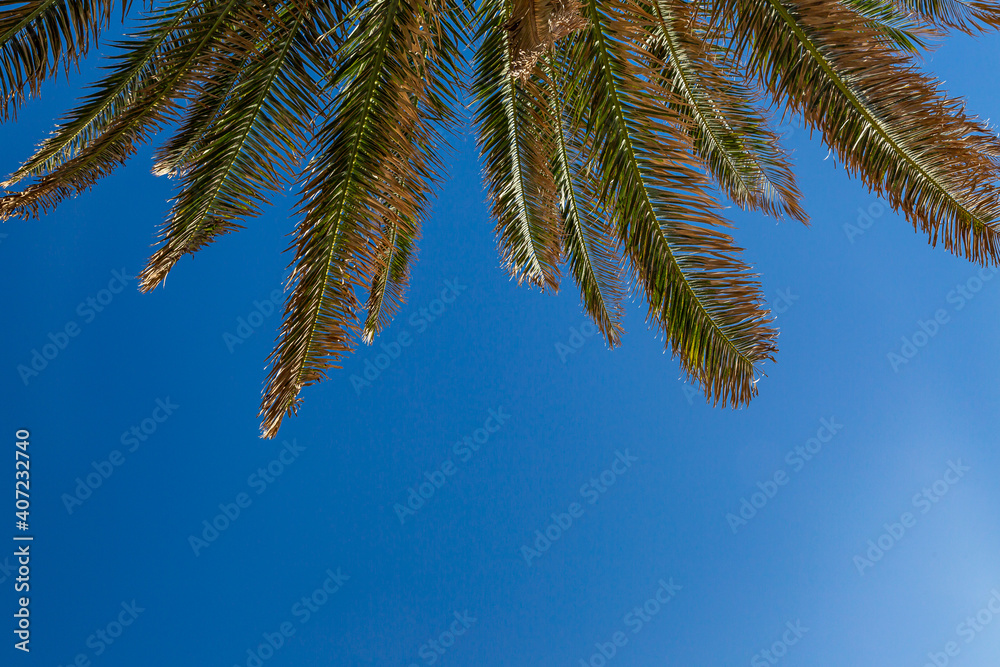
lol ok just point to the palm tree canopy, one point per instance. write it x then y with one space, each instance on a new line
609 130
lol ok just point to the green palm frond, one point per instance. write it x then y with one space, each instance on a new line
36 36
890 124
729 134
606 130
209 98
255 139
699 294
376 161
901 27
511 119
588 239
417 136
136 68
142 93
391 275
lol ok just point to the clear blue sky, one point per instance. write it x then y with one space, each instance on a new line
787 580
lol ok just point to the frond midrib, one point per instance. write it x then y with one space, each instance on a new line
251 118
514 151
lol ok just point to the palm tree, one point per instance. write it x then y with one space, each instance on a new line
602 126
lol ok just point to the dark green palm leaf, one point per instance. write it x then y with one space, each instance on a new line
901 27
588 239
179 47
729 134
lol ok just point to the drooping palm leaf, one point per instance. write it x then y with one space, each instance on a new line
588 238
419 131
902 28
37 35
179 46
730 136
511 122
969 17
890 124
391 275
137 64
699 294
376 161
255 138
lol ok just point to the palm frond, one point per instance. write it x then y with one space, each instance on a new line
178 45
136 66
588 238
37 35
178 154
890 124
902 28
254 140
511 120
699 294
729 134
418 132
391 275
968 17
376 161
